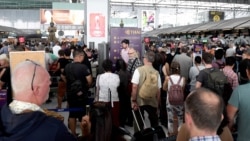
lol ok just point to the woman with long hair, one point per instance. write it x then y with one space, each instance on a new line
97 125
124 94
175 112
107 85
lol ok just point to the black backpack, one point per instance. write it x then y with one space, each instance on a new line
216 80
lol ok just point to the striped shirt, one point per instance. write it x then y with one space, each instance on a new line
205 138
137 64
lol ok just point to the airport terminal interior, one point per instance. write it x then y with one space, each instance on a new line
116 37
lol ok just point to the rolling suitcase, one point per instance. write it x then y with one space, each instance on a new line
147 134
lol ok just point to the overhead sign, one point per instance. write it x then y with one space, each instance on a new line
70 17
215 16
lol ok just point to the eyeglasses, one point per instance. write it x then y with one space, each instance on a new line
34 73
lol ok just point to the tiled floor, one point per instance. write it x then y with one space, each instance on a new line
53 105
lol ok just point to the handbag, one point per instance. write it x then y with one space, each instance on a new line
53 66
96 101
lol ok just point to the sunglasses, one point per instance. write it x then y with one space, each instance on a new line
34 73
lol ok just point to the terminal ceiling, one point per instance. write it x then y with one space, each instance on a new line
36 4
193 4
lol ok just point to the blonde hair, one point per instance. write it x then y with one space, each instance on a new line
132 53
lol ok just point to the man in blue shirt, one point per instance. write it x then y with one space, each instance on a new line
203 115
4 49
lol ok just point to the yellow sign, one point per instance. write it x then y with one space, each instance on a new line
18 57
216 18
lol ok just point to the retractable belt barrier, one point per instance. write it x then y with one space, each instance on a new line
68 110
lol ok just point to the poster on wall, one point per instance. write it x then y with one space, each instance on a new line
198 48
71 17
117 34
147 20
97 25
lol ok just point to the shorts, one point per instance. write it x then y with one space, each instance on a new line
79 109
61 88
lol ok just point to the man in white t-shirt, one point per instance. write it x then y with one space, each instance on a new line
124 51
194 72
148 105
56 48
231 51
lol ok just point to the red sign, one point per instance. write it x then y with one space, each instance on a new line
97 25
21 39
146 40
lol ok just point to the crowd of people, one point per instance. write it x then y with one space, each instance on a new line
131 83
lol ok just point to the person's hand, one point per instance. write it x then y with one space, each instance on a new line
85 125
134 106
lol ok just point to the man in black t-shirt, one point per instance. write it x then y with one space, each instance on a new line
72 72
201 79
62 62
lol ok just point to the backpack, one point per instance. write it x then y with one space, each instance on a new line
175 93
149 86
221 66
216 80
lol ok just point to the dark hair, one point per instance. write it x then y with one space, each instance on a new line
158 61
164 57
46 49
197 59
101 123
77 52
121 65
184 49
61 52
230 61
5 43
175 68
107 65
205 113
67 52
150 55
207 58
219 53
126 41
248 65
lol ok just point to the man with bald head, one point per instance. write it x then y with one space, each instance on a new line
203 115
23 119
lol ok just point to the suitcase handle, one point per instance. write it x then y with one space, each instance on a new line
136 121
